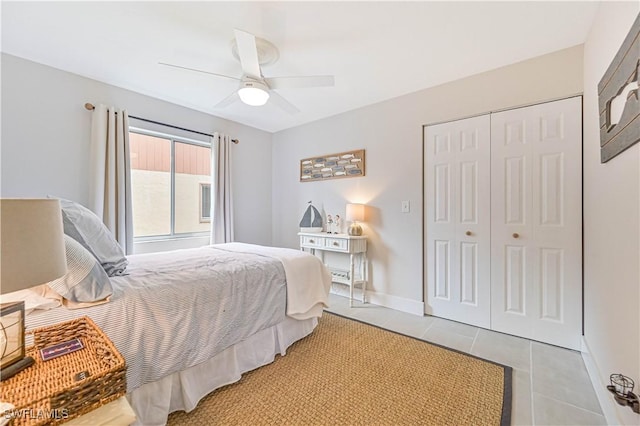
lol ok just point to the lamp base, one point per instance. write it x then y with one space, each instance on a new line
630 399
15 368
355 229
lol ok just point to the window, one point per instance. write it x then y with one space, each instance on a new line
170 182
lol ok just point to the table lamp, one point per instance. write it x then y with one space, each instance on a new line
355 214
32 252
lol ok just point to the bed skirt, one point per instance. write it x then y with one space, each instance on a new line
183 390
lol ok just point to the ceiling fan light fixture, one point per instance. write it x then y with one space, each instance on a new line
253 93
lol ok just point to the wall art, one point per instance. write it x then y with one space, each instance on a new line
333 166
618 98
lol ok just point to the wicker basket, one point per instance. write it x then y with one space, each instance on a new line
50 392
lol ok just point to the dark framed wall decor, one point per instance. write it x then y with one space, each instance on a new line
333 166
618 102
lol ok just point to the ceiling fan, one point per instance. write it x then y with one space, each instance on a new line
254 88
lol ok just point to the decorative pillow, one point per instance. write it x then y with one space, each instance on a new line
85 280
85 227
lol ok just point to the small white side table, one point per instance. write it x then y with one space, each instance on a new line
341 243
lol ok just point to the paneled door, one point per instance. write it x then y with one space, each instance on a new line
536 210
457 223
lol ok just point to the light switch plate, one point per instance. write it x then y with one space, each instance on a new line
405 207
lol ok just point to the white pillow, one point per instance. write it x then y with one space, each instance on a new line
38 297
85 227
85 280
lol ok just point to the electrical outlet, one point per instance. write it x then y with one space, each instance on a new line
405 207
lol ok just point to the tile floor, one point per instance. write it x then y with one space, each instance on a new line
550 384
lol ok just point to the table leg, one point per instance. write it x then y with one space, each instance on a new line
364 274
351 280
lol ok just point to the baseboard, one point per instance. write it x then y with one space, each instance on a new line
609 406
409 306
388 301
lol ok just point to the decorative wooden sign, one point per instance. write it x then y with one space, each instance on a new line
333 166
618 90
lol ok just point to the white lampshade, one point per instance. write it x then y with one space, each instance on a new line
32 248
355 212
253 93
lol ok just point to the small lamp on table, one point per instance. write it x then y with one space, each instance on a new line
32 252
355 214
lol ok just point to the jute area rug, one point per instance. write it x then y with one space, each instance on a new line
350 373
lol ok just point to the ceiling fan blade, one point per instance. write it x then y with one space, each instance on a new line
248 53
300 82
282 103
228 100
197 70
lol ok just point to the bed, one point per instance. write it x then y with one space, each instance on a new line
190 321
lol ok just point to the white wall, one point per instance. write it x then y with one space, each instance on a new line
611 222
46 131
391 133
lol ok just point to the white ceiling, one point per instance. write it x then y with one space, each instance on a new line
375 50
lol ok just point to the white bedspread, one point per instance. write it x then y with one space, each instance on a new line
178 309
308 281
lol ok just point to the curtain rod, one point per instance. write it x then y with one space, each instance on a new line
91 107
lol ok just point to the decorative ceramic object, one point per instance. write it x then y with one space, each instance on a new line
338 224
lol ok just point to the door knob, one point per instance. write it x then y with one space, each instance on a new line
516 235
468 233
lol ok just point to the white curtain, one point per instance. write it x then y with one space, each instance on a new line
110 180
222 199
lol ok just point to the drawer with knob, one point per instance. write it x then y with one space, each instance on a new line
308 241
336 244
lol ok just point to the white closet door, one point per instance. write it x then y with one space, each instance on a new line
536 249
457 231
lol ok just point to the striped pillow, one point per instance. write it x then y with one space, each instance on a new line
85 280
85 227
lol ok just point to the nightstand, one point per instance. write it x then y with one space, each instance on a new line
86 385
115 413
355 247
